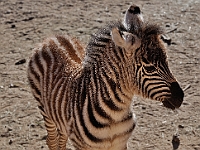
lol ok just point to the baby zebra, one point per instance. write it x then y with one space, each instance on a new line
85 94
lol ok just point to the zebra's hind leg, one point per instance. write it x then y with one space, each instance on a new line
62 141
52 139
56 140
52 134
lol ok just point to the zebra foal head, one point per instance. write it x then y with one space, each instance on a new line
142 41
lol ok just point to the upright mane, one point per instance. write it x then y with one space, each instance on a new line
101 38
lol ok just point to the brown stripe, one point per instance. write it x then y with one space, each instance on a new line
69 48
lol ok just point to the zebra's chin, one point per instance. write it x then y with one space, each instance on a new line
171 103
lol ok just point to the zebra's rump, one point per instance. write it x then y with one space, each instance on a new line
51 66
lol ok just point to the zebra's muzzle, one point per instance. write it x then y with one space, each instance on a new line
176 97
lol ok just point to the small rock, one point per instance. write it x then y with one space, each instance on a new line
10 142
32 125
180 126
9 129
13 26
22 61
13 86
143 107
175 142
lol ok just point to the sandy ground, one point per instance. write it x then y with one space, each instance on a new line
24 23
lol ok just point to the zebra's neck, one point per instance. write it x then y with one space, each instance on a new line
112 80
110 72
114 67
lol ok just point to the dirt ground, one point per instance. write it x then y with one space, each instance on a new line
24 23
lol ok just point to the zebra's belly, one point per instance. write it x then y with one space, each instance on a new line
114 137
118 143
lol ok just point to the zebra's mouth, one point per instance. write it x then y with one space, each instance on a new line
168 104
172 104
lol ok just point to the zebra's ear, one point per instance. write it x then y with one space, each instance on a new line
116 37
166 39
126 40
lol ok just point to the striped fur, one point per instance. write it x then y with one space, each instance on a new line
85 94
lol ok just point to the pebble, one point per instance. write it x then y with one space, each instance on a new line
175 141
13 86
22 61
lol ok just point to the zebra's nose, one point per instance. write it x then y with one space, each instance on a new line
134 9
177 92
176 96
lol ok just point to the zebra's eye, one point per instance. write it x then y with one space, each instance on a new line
149 68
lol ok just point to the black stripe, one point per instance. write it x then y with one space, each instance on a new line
113 57
59 115
100 111
94 96
150 79
56 77
46 56
93 120
118 54
33 72
76 144
150 84
41 108
34 87
48 61
31 81
76 98
158 91
52 102
96 106
164 68
82 96
145 72
100 45
106 97
139 77
38 63
157 88
104 39
113 86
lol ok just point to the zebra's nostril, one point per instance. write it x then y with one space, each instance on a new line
134 10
